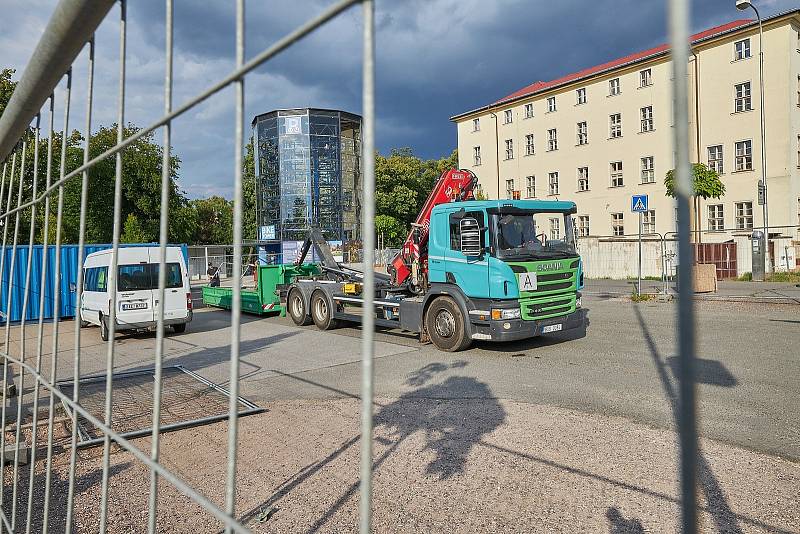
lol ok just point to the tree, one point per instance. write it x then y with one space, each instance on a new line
133 231
403 181
392 230
6 87
705 184
249 223
214 221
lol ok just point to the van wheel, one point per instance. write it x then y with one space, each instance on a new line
103 329
296 306
445 325
84 324
179 328
321 312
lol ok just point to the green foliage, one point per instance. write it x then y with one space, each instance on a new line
214 221
643 297
249 224
707 183
132 231
6 87
403 182
392 230
746 277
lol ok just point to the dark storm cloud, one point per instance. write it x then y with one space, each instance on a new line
434 59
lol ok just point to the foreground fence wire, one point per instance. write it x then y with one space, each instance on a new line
70 31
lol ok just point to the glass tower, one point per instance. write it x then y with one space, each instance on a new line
308 173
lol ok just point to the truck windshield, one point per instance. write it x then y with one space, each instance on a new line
522 236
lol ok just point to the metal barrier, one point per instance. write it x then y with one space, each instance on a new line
71 27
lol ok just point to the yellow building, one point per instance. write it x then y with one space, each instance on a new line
600 135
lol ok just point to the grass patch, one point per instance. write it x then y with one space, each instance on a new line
644 297
792 278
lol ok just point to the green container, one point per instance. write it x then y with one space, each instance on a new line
265 298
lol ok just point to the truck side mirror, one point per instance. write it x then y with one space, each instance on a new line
471 242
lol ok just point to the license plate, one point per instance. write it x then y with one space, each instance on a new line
551 328
134 306
527 282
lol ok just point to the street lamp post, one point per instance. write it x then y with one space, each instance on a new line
741 5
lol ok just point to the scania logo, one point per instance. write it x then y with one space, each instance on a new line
548 267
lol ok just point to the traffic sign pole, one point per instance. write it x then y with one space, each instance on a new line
639 286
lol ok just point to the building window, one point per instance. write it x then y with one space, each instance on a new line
581 96
613 87
616 174
744 215
552 140
555 228
553 183
509 149
647 119
528 111
583 178
583 226
742 49
615 122
476 125
715 158
743 101
617 224
716 218
510 188
476 155
529 145
508 116
645 77
744 155
551 104
530 187
798 91
583 133
649 222
648 170
798 151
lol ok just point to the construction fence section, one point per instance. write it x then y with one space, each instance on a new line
617 257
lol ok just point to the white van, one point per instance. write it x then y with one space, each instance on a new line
137 291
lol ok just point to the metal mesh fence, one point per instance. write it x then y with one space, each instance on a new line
30 117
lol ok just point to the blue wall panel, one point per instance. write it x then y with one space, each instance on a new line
70 267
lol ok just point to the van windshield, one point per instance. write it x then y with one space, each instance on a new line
144 276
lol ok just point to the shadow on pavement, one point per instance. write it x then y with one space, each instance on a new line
724 518
617 524
711 372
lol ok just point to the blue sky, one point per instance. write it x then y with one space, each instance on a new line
435 58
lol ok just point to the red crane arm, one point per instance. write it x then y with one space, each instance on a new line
452 186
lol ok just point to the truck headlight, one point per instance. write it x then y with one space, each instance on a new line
505 313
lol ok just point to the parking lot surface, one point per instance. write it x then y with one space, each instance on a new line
570 432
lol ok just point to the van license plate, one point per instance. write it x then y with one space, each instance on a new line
134 306
551 328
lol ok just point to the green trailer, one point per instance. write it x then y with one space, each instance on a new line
265 297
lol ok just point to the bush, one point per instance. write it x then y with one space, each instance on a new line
746 277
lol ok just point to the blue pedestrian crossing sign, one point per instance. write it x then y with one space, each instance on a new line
639 203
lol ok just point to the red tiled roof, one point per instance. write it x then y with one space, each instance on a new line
540 86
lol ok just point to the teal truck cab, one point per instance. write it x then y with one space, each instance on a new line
511 266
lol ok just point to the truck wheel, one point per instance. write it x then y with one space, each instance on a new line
103 328
321 312
296 306
445 325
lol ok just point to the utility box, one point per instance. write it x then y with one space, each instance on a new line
759 251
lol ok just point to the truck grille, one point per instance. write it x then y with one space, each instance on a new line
553 277
553 287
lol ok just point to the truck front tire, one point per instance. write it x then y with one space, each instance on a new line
446 325
322 312
296 306
103 328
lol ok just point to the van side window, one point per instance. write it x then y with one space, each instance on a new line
90 279
455 228
101 279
